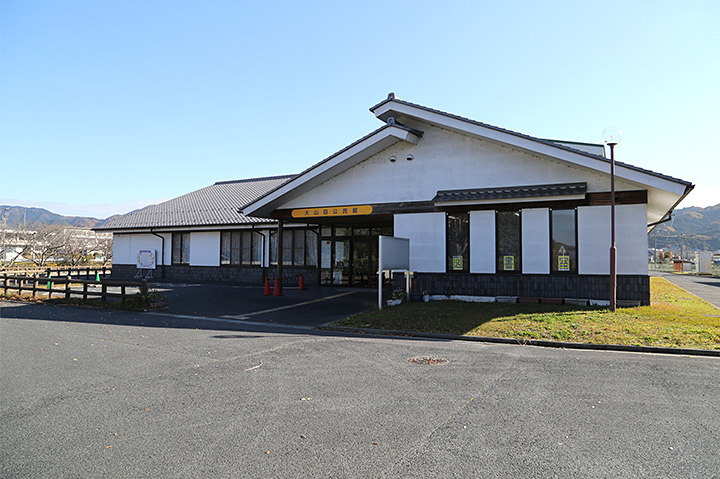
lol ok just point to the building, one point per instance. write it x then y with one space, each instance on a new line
488 212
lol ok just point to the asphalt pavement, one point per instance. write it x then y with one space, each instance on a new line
88 393
248 303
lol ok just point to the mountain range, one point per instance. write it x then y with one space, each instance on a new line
691 229
29 217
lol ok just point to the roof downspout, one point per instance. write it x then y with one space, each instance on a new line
668 217
162 254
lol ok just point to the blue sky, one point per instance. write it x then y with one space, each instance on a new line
109 106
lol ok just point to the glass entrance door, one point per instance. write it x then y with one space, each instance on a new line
349 255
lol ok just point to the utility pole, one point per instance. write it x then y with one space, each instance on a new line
682 247
655 252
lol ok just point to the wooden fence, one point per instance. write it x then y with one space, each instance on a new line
48 285
62 271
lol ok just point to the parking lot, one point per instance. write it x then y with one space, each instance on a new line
90 393
248 303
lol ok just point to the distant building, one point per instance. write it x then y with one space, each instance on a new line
488 212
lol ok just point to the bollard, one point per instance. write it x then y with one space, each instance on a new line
267 287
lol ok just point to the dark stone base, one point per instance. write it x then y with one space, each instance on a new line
597 287
224 274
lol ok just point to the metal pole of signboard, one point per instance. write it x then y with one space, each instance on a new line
407 285
380 278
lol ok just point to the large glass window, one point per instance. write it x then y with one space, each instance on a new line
241 247
563 241
457 230
287 247
246 247
311 248
225 247
299 247
508 226
181 248
235 247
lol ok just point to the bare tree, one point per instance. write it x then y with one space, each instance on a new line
105 248
79 246
47 243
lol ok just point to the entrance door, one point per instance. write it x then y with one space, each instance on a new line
349 255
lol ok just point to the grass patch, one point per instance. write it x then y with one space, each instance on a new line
675 319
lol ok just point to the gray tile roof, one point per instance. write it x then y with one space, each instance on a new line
510 192
215 205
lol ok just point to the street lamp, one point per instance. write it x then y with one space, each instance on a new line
611 137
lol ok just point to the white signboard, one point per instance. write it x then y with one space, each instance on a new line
146 259
394 253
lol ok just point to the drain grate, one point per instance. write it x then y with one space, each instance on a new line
428 360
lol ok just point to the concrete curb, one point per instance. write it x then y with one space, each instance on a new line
529 342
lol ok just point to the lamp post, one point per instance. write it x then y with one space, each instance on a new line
611 137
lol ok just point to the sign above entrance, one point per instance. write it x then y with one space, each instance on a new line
332 211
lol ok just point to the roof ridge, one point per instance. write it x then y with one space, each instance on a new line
393 97
261 178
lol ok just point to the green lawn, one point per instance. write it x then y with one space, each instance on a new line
674 319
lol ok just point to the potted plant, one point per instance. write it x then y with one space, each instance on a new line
398 296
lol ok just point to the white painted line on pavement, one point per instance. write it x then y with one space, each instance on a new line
247 315
230 321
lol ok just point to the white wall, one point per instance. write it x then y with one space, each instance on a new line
205 248
535 241
426 232
594 240
482 241
443 160
126 247
630 239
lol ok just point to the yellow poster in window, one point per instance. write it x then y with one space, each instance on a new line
563 263
457 263
509 263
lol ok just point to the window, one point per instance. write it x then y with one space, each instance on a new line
287 247
225 247
311 248
299 247
457 232
241 247
508 226
563 241
181 248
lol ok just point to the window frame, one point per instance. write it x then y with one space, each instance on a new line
180 241
572 270
291 236
466 254
239 251
518 266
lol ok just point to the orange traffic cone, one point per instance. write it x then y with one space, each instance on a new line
277 288
302 284
267 287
